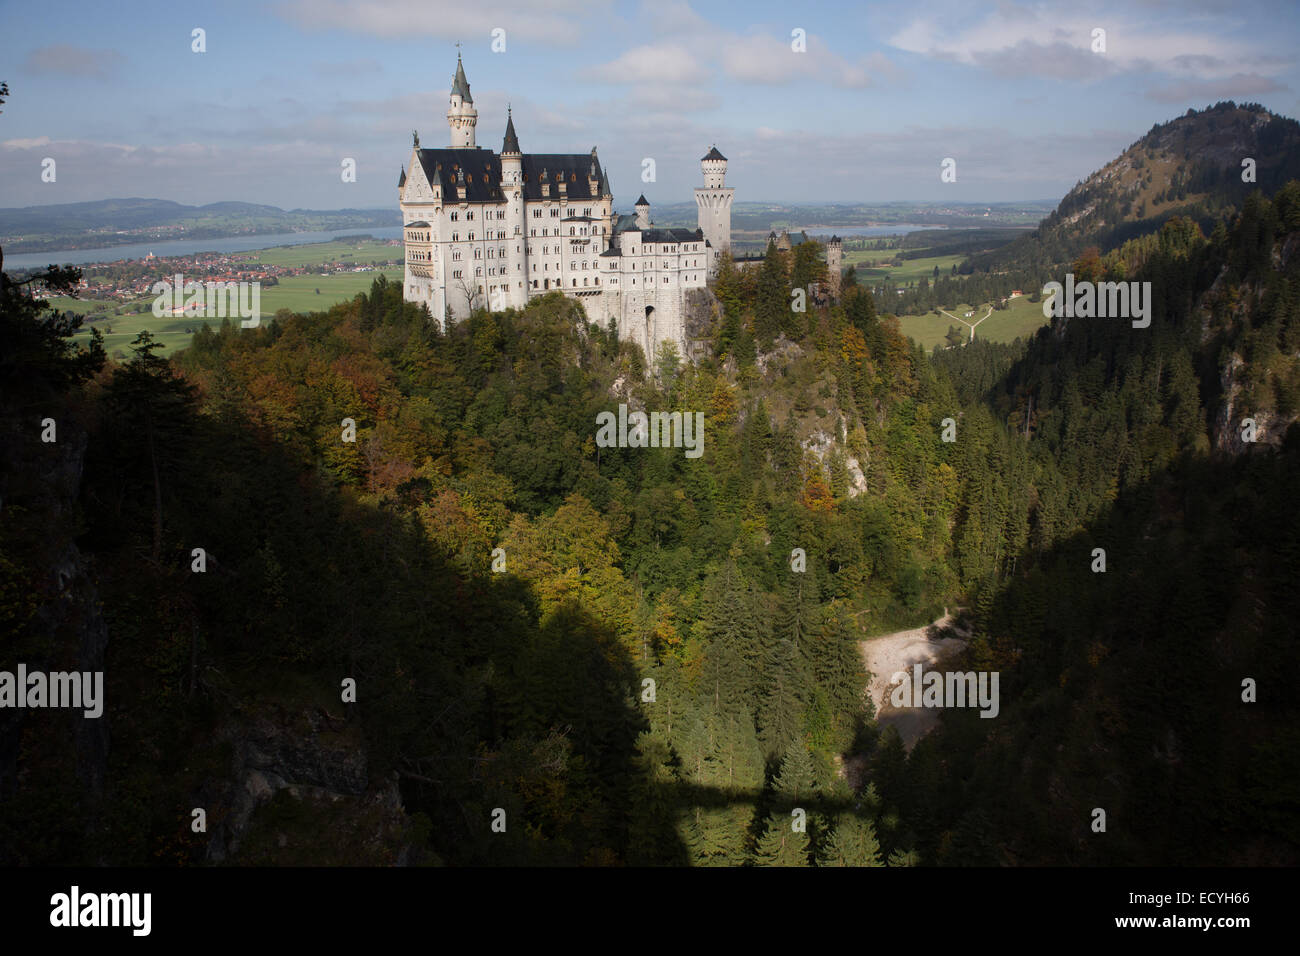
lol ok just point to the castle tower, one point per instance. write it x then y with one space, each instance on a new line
834 263
512 188
642 208
714 206
461 117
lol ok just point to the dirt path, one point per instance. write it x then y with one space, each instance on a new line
971 325
888 654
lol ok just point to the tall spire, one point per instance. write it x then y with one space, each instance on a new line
461 117
460 85
511 144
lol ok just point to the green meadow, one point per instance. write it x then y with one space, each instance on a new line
295 293
364 252
1020 319
871 266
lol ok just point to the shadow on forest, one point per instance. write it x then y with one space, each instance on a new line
1122 689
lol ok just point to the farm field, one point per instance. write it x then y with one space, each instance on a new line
363 252
870 266
295 293
1020 319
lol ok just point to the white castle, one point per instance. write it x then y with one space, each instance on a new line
489 230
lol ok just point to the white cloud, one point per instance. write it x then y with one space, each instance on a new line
1034 39
664 64
555 22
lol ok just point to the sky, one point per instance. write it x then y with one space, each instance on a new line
810 102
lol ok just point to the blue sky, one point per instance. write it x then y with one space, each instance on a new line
882 94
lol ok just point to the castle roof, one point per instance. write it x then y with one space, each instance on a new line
713 154
482 171
641 201
422 224
460 84
401 180
671 235
572 168
511 144
480 167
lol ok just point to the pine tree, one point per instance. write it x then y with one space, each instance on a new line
853 843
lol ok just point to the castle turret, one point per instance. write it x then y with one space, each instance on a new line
834 263
512 189
713 202
642 208
461 117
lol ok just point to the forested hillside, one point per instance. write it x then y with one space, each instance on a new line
645 658
1201 166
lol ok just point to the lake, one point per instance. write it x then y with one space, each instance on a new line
845 231
186 247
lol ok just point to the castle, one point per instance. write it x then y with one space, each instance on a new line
492 230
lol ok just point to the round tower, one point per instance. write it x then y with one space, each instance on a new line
461 117
713 203
834 263
512 188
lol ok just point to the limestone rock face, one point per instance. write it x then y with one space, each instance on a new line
300 792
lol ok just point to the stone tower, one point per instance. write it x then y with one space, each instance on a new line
461 117
642 208
834 263
713 201
512 188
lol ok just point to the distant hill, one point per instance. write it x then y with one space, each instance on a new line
1190 166
110 222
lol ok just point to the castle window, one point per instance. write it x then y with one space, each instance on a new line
455 216
478 253
469 215
555 214
478 271
571 230
537 214
456 274
455 237
471 237
455 255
